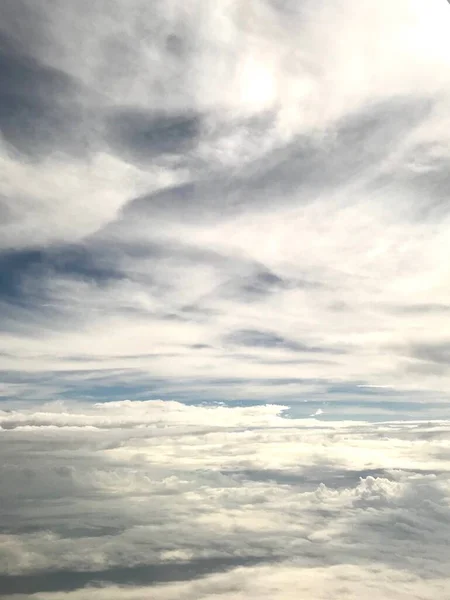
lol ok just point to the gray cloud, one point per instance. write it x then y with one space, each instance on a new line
39 106
140 493
265 339
143 136
438 353
149 575
422 308
294 173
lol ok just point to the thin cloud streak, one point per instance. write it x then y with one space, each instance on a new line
224 298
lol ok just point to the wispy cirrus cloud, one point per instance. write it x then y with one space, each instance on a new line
175 177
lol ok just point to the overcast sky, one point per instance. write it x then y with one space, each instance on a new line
225 200
224 299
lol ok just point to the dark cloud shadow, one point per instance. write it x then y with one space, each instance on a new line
262 283
28 278
140 135
75 262
438 353
421 309
294 173
39 105
143 575
311 477
252 338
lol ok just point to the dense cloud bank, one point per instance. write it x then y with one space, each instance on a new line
228 198
129 500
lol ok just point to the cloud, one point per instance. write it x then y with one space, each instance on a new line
141 135
35 105
248 198
240 208
127 496
435 353
317 413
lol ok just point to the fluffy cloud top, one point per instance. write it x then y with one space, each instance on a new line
151 499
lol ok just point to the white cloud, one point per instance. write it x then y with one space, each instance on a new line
317 413
229 200
56 201
262 166
97 492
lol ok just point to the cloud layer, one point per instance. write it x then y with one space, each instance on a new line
240 207
159 499
237 199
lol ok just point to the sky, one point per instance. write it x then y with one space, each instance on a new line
225 201
224 299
